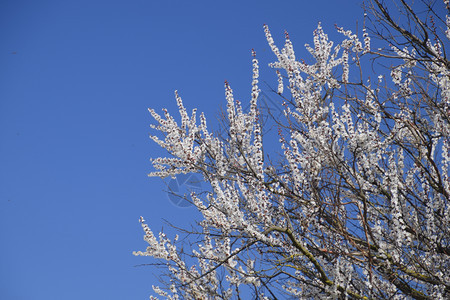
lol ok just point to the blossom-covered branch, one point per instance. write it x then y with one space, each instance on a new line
357 205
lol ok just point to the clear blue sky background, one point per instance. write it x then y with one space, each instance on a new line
76 79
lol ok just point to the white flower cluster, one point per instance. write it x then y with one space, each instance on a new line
358 204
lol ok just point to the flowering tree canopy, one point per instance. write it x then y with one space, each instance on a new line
356 205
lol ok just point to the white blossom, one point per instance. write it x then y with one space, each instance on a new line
357 205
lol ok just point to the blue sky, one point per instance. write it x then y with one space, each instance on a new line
76 79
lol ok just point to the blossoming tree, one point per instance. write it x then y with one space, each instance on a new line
356 205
